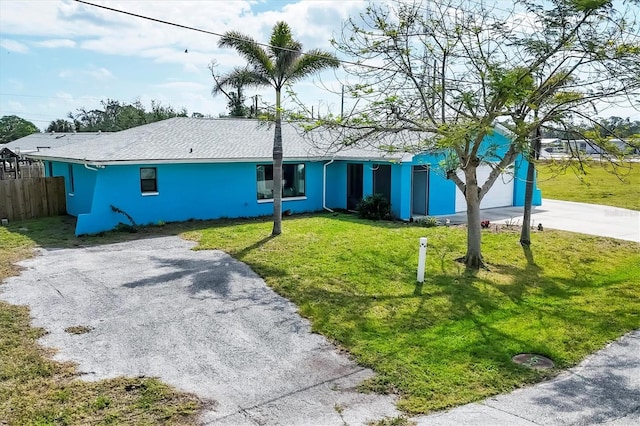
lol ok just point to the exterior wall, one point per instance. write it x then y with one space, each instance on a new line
187 191
337 184
442 191
78 199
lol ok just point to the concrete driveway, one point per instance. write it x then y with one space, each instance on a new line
591 219
200 321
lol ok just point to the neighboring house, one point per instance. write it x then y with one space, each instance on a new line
9 164
588 147
37 142
551 148
188 168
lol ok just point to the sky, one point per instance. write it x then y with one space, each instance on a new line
59 55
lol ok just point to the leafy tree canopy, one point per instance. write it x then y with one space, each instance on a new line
440 75
115 116
13 127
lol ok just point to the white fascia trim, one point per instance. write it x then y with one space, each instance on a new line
100 163
503 130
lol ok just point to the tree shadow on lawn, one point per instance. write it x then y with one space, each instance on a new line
460 320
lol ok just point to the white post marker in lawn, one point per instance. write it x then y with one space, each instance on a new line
422 257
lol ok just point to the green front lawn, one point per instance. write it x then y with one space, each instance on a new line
602 183
450 340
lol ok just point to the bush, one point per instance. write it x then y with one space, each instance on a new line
374 207
427 222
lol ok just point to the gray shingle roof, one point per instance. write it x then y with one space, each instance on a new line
184 139
42 141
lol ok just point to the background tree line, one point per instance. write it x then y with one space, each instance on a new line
115 116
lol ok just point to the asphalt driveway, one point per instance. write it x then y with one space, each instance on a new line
200 321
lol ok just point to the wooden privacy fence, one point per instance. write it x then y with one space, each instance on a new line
22 199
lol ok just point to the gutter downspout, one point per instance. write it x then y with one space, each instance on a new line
94 168
324 185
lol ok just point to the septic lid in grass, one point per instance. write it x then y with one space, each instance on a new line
538 362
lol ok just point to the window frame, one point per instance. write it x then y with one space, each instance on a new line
299 193
72 184
154 189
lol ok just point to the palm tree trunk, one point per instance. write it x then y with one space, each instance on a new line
277 170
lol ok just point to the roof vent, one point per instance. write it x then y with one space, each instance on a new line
190 150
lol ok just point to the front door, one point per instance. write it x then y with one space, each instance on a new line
354 185
420 191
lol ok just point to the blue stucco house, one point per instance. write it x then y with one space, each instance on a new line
189 168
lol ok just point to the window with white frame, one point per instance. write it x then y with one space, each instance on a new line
148 180
293 181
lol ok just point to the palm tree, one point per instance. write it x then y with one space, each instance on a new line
280 63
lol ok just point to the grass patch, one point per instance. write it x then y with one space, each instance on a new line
450 340
78 329
601 184
34 390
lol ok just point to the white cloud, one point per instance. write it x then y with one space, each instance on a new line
16 106
64 96
13 46
14 85
182 86
97 73
56 43
70 24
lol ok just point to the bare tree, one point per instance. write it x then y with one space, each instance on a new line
449 72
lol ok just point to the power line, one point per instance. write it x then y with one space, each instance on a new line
200 30
217 34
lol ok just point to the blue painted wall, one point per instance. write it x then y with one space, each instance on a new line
442 191
521 166
185 191
79 199
337 185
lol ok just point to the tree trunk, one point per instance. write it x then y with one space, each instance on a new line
277 170
473 258
525 232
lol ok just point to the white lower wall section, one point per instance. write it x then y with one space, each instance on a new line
500 194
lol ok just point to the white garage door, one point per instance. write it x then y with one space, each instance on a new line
500 194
